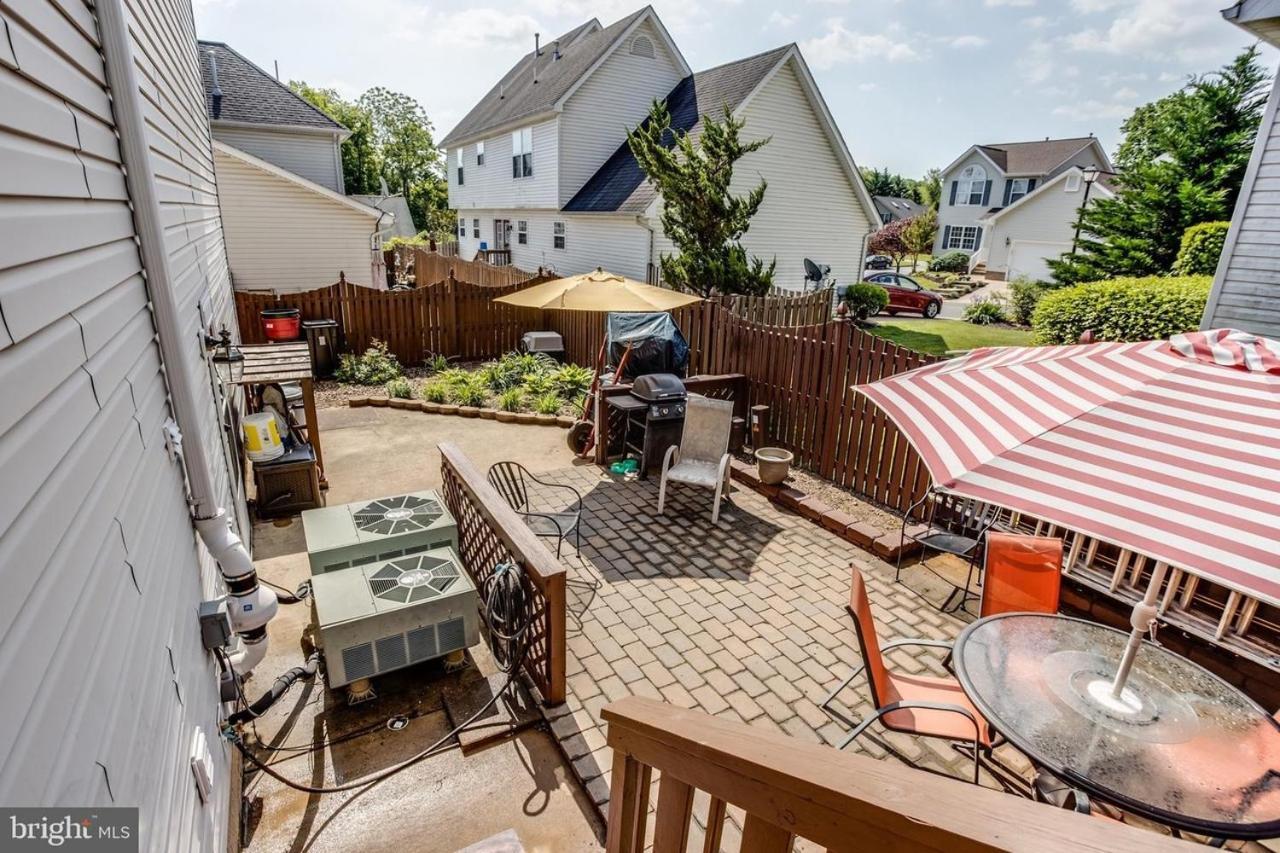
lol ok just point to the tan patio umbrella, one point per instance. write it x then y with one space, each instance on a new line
599 290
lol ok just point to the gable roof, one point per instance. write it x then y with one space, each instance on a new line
897 207
1103 186
517 97
619 185
1029 158
221 147
252 96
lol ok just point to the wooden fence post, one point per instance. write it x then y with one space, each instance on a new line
451 315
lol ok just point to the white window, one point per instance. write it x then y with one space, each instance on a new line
1018 187
462 228
557 235
963 237
475 228
1072 184
460 176
522 153
522 232
479 153
972 185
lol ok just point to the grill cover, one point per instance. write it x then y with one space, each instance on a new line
657 387
657 346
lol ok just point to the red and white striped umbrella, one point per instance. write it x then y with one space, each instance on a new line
1170 449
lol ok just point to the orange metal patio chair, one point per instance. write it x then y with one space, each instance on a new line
925 705
1023 574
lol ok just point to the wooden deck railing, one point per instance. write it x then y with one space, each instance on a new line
845 802
489 532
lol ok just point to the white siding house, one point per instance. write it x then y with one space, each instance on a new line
107 686
286 234
1246 286
314 156
596 83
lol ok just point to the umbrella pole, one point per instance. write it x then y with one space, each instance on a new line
1143 617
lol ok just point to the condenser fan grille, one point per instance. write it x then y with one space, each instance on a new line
402 514
413 579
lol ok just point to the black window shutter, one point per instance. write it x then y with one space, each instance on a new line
946 231
986 194
1008 188
955 185
1031 184
977 240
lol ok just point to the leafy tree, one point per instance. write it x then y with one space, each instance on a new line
889 241
409 160
929 189
700 215
1182 162
919 232
360 160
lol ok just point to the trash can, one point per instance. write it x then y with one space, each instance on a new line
322 341
280 324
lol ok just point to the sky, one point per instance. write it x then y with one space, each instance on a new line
911 83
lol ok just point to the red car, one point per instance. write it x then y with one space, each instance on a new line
906 294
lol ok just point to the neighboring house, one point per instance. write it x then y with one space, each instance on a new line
1246 288
288 224
892 208
108 694
998 204
541 165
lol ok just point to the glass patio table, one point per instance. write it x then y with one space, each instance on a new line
1180 746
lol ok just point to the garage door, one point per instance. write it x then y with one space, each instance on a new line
1030 259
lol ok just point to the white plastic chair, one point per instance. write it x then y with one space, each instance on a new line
702 457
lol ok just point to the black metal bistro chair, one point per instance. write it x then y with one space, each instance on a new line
952 525
512 480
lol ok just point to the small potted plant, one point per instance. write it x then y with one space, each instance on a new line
773 464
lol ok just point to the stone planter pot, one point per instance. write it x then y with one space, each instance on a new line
430 408
489 414
468 411
448 409
773 464
545 420
526 418
505 417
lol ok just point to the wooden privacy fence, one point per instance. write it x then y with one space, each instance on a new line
489 532
432 267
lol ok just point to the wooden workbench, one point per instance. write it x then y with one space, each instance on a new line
267 364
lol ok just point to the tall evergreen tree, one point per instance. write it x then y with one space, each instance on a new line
1182 162
700 214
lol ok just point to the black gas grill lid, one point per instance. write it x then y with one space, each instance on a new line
657 387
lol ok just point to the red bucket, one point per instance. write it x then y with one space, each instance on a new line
281 324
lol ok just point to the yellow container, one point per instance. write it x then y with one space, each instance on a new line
261 437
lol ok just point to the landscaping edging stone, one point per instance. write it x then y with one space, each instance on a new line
529 418
885 544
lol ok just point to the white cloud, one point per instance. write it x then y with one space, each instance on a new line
995 3
966 41
1146 28
1089 7
484 27
840 44
868 87
778 19
1125 94
1036 22
1037 63
1093 109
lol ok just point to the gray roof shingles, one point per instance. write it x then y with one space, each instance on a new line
619 186
1033 158
517 96
896 206
251 95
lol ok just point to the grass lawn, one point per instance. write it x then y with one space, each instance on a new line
938 337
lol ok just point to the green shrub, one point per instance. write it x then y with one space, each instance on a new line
511 400
435 392
1024 296
400 389
1122 309
547 404
471 392
510 370
537 384
452 377
571 380
376 367
865 299
1201 247
985 311
950 262
437 364
419 240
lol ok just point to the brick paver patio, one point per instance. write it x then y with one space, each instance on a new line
745 619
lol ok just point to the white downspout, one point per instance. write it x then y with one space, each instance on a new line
251 605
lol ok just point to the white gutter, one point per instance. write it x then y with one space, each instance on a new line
251 606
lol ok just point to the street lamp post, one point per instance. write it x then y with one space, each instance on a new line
1090 174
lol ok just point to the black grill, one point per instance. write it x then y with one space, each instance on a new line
654 412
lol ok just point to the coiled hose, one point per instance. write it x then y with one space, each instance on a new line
508 623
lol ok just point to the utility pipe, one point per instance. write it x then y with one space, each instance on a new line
251 605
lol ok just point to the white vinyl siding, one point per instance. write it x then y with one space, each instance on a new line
962 214
98 561
282 236
615 242
1246 289
314 156
615 98
492 186
1045 221
810 208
